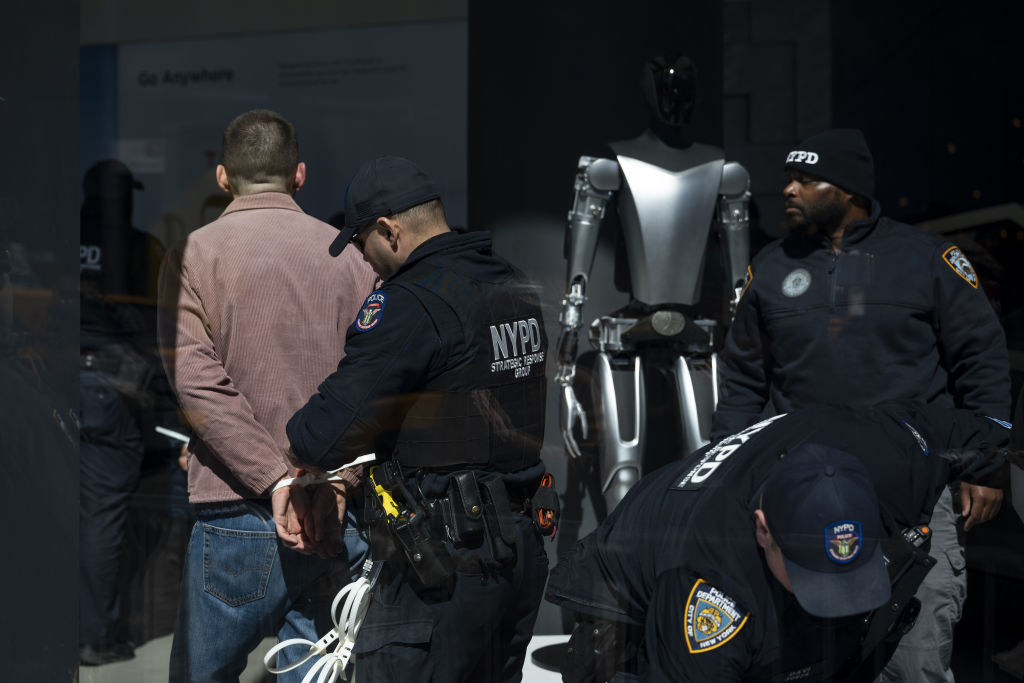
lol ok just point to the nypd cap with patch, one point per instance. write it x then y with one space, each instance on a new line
382 187
821 508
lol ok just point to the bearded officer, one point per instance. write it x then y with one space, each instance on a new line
853 308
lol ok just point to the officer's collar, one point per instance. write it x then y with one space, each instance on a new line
858 230
444 242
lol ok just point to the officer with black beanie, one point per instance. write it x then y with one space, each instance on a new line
852 309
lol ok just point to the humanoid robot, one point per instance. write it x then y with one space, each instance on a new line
659 351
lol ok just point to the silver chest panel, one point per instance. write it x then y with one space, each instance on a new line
666 219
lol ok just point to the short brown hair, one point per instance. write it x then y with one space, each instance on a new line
260 146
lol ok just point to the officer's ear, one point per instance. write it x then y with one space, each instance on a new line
392 230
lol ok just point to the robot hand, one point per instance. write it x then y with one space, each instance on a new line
572 414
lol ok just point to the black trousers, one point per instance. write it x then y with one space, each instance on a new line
110 461
474 630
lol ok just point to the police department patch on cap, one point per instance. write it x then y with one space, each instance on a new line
372 311
712 618
796 283
843 541
920 439
956 260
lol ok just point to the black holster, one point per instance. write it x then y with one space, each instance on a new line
411 530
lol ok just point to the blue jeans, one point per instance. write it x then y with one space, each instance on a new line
240 586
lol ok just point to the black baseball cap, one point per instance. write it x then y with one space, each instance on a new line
384 186
110 178
821 509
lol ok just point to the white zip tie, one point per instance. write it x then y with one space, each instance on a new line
331 665
178 436
330 475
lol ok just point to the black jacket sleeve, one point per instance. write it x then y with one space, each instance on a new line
744 374
670 659
364 397
971 340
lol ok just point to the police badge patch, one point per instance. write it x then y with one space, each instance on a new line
712 618
956 260
372 311
843 541
796 283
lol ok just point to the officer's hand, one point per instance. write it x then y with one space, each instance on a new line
572 415
290 507
979 503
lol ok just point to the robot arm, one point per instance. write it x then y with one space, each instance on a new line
596 182
734 227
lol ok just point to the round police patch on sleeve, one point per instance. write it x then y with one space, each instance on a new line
372 311
711 617
956 260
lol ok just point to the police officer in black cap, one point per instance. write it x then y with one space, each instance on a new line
788 551
443 378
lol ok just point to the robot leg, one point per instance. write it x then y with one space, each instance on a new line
697 387
617 387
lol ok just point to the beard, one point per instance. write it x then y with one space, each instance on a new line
825 215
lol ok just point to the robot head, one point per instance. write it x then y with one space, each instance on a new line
670 86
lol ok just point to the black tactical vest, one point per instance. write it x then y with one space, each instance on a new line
487 407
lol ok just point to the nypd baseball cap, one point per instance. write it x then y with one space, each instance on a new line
821 509
384 186
840 157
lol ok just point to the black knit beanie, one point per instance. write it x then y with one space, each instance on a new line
840 157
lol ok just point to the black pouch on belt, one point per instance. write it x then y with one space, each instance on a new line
501 529
463 510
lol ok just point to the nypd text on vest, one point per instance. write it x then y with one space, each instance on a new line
516 346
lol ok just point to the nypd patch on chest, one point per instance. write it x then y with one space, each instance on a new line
372 311
956 260
711 618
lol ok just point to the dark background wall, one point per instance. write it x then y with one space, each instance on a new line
937 89
39 210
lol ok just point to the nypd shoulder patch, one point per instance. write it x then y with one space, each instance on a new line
372 311
956 260
712 618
